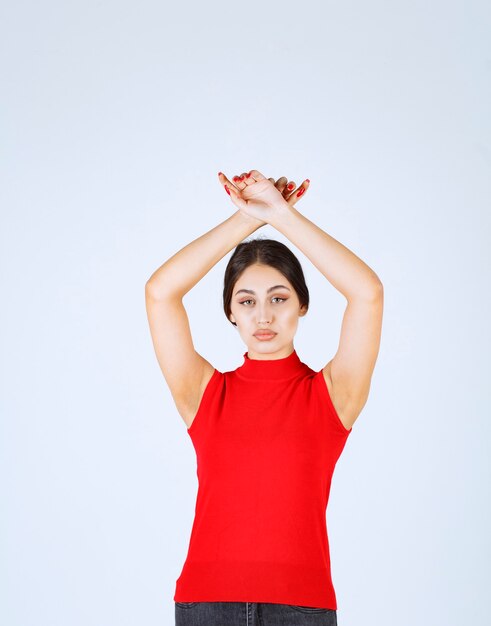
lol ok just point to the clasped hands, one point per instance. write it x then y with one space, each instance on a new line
262 198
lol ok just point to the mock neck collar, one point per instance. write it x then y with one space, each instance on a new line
270 369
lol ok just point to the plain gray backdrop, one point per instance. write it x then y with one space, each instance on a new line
115 119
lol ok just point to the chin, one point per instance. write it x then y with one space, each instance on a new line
268 347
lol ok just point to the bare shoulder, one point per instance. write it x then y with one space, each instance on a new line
340 399
348 375
189 406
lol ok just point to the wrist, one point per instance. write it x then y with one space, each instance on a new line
248 220
281 212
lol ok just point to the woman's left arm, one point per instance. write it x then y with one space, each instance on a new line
342 268
348 374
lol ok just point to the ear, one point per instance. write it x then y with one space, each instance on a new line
303 310
232 318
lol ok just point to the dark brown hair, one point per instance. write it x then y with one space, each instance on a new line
266 252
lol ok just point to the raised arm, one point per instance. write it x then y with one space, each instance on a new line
185 371
348 374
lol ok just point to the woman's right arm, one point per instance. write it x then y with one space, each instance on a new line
186 372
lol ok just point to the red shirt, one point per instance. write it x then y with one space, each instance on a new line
267 439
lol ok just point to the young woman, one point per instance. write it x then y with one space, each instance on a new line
268 434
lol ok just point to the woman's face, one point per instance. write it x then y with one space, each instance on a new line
264 300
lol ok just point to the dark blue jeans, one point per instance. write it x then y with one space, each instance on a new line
251 614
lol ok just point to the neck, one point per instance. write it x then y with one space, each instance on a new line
271 368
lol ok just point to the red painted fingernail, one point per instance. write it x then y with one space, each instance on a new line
307 180
300 191
290 186
227 190
247 175
219 173
235 178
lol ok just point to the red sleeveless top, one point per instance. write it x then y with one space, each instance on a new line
267 439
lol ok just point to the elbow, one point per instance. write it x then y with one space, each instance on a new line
160 291
152 291
377 289
376 284
149 286
374 290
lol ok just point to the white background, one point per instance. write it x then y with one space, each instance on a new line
115 120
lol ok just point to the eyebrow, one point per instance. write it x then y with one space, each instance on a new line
269 290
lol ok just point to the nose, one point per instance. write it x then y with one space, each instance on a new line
263 315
